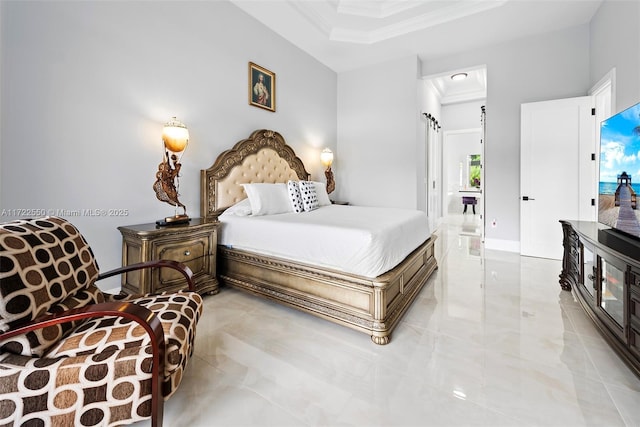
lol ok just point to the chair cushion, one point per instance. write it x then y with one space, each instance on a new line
178 313
36 343
106 389
42 262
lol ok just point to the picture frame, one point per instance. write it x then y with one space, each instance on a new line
262 87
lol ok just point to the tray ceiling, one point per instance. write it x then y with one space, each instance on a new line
347 35
351 34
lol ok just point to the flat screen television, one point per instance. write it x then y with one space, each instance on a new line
619 186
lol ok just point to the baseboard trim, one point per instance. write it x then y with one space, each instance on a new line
502 245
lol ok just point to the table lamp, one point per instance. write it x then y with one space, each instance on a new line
175 138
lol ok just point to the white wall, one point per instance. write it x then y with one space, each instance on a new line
429 104
615 42
378 113
464 115
87 86
548 66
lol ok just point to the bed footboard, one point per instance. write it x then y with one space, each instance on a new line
374 306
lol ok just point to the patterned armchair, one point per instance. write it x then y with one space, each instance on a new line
72 355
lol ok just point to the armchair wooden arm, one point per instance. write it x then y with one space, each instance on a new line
143 316
182 268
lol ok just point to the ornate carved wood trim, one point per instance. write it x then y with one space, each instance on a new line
260 139
569 276
390 294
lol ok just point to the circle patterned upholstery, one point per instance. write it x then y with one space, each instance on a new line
88 372
44 261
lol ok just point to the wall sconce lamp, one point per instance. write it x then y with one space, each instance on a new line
175 138
326 157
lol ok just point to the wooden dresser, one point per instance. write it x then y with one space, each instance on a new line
193 244
603 271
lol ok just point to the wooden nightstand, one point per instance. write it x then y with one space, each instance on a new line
193 244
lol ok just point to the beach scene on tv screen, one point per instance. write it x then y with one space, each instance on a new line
620 171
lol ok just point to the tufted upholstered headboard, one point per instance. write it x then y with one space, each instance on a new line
263 157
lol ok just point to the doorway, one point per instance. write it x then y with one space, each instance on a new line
463 181
458 106
568 128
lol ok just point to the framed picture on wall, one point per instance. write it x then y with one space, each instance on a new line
262 87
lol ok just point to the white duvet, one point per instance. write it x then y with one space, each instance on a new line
366 241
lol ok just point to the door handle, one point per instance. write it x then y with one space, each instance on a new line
526 198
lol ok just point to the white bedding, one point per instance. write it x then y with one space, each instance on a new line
366 241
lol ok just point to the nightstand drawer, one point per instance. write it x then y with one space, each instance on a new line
195 254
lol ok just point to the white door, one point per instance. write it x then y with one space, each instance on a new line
432 179
552 133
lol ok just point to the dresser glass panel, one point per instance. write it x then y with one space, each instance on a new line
612 297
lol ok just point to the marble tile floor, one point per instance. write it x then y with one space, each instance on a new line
492 340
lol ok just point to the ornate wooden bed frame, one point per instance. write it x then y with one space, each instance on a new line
370 305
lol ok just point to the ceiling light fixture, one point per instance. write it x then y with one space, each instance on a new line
459 76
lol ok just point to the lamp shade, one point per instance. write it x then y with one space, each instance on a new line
175 136
326 157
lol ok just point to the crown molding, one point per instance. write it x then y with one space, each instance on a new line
325 21
379 10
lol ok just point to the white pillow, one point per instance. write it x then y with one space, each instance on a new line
268 199
295 197
321 192
309 196
242 208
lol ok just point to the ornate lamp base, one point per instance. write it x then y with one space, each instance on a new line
173 220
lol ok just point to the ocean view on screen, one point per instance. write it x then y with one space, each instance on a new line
610 187
620 171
